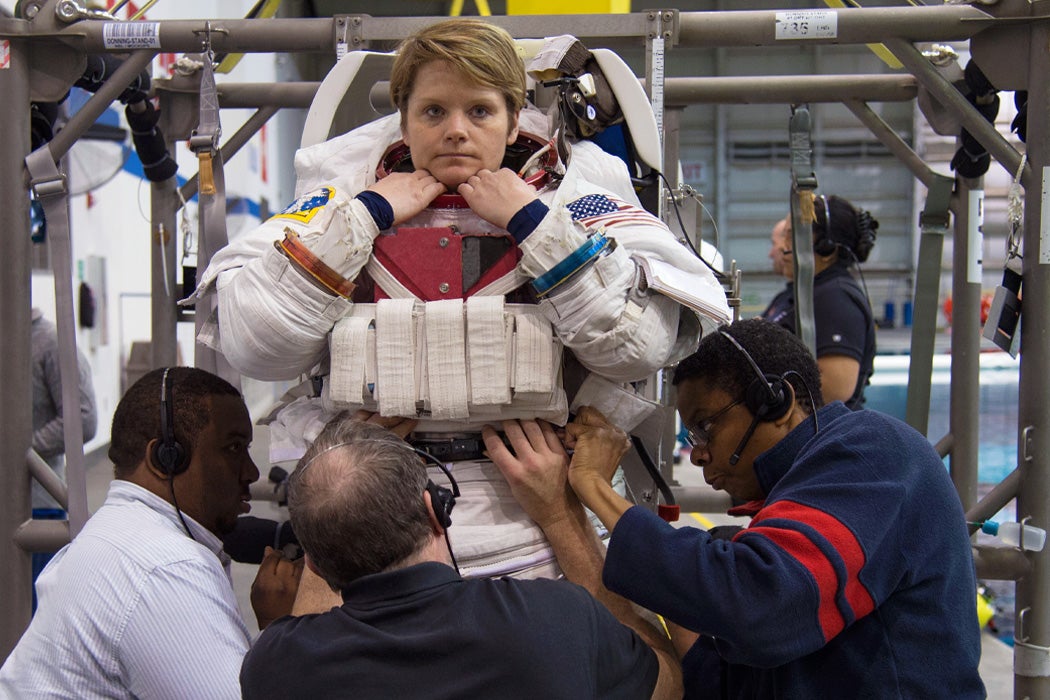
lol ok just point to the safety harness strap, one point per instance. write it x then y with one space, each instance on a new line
934 221
803 183
50 188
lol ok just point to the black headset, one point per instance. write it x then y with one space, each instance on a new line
767 396
864 227
443 499
168 453
826 244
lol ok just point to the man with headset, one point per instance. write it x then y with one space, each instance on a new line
140 603
376 529
855 577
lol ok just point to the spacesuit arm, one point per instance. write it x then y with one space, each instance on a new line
273 319
604 310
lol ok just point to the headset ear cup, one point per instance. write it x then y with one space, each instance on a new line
824 246
756 397
768 398
442 500
170 457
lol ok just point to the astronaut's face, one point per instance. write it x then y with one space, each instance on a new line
453 127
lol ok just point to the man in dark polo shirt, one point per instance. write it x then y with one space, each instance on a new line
376 529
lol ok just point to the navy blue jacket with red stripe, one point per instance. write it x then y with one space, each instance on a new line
854 579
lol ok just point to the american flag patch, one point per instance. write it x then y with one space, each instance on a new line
598 210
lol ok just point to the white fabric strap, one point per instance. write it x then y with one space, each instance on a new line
505 284
386 281
395 357
446 359
349 351
487 351
533 354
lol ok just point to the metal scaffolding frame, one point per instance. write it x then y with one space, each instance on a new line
47 52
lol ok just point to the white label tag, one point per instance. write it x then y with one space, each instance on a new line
976 236
131 35
807 24
1044 219
5 54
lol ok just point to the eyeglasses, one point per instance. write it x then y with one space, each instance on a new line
700 434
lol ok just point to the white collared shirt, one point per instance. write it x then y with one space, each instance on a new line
132 608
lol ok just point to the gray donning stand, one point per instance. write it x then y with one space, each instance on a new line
47 54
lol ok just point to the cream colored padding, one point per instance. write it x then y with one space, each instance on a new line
449 360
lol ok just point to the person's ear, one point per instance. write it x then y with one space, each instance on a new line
435 524
151 466
308 560
404 130
512 134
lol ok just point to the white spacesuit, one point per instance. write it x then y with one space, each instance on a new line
442 341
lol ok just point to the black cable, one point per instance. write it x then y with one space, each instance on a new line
809 392
654 471
678 215
175 502
455 492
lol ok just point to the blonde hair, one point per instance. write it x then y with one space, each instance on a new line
483 53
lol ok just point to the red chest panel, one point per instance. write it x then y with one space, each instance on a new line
430 262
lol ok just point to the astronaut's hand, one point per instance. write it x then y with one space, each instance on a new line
408 193
597 446
496 196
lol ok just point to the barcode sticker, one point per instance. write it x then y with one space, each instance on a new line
131 35
807 24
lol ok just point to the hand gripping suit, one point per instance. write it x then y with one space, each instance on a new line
430 330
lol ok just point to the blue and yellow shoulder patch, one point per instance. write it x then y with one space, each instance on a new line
307 206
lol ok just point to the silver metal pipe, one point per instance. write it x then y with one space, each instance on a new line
891 140
165 248
944 447
698 499
964 404
1031 662
46 476
42 535
788 89
1000 563
994 501
283 95
703 29
854 25
16 426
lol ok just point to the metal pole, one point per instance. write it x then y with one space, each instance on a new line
705 29
1031 657
164 239
786 89
891 140
853 26
964 408
16 425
